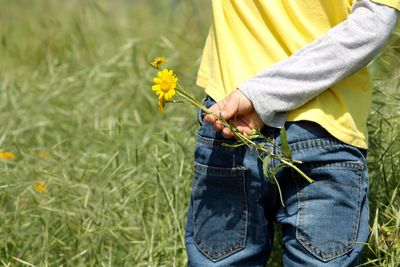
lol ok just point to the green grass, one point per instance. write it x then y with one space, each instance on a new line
384 159
75 83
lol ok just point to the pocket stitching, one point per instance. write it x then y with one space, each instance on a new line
327 256
238 244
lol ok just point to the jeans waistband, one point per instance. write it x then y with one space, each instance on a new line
300 134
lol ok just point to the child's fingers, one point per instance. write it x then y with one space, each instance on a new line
209 119
226 133
218 126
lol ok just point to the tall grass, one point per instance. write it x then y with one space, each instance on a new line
75 84
383 248
77 111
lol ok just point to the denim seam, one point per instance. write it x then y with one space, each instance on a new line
264 218
310 247
214 186
327 142
219 143
218 171
315 143
273 165
239 244
356 165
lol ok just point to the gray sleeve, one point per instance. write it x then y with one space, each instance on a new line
342 51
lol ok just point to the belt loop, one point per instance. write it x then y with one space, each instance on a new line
201 113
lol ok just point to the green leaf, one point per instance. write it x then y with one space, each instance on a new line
266 169
272 175
234 145
285 145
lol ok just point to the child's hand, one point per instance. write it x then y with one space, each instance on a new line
239 111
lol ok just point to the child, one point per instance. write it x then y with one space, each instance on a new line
299 65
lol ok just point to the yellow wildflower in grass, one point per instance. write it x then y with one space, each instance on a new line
7 155
164 87
39 187
43 154
158 62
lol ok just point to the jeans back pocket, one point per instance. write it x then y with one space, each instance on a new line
329 209
219 210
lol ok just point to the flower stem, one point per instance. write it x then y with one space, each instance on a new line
240 136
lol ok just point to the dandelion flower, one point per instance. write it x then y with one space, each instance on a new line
7 155
158 62
164 87
39 187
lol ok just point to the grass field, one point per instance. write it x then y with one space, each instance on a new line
77 111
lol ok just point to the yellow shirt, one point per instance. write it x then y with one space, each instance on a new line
248 36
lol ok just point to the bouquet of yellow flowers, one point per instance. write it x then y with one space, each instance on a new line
166 86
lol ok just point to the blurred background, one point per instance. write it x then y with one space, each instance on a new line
90 173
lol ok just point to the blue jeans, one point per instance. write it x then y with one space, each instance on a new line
233 205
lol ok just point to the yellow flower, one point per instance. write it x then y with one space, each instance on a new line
7 155
43 154
164 87
39 187
158 62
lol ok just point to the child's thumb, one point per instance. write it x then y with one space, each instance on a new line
229 111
